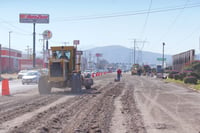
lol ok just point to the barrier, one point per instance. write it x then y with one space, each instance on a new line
93 75
5 88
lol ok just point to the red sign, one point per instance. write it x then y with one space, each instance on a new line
76 42
98 54
34 18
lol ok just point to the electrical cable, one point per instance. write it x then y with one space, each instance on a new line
146 20
174 21
15 27
131 13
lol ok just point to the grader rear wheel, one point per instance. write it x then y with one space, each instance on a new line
88 87
43 86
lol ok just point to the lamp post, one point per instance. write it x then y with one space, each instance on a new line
163 59
9 51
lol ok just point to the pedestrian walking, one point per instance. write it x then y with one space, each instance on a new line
119 74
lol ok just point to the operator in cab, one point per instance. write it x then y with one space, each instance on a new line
64 56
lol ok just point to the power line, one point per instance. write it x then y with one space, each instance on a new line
15 27
174 21
133 13
146 20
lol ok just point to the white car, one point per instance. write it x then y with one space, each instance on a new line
31 77
21 73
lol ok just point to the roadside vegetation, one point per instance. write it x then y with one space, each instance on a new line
190 75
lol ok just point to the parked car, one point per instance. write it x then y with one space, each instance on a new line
21 73
31 77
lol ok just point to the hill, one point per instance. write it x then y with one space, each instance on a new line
120 54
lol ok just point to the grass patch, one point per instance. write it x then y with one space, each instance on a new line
196 87
174 81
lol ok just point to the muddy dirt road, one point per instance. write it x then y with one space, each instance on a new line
133 105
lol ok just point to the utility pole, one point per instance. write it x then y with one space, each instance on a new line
90 61
163 60
10 51
134 51
65 43
29 50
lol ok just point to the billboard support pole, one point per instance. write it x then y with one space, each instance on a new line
33 45
47 51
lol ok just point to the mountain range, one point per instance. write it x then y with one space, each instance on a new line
121 54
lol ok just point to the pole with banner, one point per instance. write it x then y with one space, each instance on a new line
33 19
47 34
76 42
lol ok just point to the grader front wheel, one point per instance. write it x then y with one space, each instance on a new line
43 86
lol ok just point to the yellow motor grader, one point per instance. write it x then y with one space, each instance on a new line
64 71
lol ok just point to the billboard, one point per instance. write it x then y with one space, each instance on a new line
34 18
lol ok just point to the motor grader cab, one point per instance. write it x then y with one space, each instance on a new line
64 70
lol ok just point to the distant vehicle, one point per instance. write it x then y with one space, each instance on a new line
31 77
21 73
44 71
134 69
86 72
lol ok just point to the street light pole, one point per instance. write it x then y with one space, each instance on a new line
9 51
163 60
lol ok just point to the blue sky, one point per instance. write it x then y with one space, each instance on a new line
79 20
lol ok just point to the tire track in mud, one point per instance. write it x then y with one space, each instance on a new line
99 118
134 120
18 108
17 105
84 113
159 112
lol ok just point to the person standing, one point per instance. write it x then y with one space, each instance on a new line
119 72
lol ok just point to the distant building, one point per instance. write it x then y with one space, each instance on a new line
13 60
10 59
179 60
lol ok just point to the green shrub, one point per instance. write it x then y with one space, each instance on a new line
194 75
176 76
172 73
182 76
190 79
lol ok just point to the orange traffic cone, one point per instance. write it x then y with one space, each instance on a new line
5 88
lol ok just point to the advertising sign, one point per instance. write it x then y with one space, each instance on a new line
34 18
76 42
79 52
98 55
47 34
